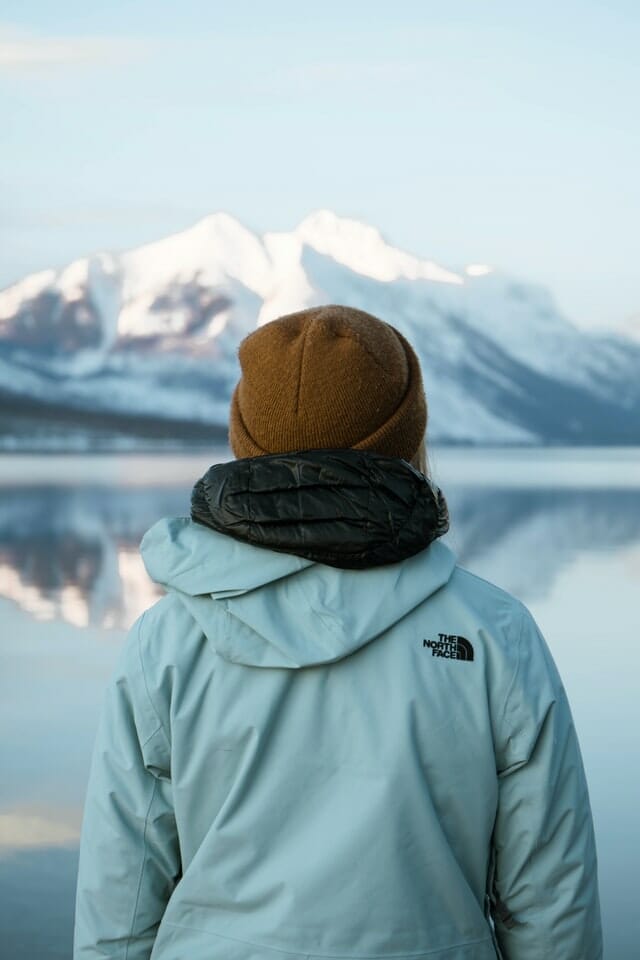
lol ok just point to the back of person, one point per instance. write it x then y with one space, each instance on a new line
329 739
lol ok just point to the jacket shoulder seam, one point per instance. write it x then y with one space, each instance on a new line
504 720
508 598
146 686
517 664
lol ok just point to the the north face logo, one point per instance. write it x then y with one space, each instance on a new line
450 646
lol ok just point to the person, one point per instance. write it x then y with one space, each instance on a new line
328 739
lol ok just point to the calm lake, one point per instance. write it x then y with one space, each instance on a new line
559 529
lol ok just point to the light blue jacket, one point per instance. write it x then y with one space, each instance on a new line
299 761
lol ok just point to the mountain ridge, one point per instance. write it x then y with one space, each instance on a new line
147 339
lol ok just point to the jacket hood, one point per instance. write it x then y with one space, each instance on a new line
269 607
346 508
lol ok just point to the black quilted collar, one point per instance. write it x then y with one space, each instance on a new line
346 508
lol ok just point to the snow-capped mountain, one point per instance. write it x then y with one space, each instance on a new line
123 350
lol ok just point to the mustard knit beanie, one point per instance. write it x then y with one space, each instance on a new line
327 377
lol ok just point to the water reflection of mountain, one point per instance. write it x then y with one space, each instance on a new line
521 538
72 552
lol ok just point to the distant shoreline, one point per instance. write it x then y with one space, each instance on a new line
508 466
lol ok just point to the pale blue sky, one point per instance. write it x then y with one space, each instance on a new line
497 132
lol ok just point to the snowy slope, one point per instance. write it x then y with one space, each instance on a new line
144 344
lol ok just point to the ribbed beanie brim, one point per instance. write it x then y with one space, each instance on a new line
327 377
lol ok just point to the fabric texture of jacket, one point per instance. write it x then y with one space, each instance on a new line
367 755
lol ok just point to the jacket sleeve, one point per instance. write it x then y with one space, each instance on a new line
545 887
129 855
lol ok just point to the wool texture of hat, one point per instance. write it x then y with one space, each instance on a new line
327 377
